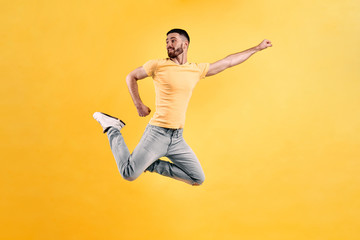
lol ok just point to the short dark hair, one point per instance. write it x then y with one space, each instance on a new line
181 32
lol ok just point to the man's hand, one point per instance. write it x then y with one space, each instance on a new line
143 110
264 44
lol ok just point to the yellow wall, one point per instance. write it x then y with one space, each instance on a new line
278 136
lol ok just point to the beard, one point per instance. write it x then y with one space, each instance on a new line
174 53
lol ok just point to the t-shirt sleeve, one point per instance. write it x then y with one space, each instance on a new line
150 67
204 68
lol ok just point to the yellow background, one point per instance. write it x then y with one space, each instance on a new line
278 136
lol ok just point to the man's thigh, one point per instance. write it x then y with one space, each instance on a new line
181 154
151 147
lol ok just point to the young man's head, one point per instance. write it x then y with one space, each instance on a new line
177 42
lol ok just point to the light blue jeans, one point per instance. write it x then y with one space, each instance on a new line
155 143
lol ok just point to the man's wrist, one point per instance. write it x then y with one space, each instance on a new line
257 48
139 105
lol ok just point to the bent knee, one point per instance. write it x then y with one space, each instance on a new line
129 177
199 181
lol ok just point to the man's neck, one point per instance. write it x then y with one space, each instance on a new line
181 59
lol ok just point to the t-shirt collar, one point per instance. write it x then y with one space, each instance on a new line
177 63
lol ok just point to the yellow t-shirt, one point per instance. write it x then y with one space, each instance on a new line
174 84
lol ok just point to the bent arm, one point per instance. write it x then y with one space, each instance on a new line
236 58
131 81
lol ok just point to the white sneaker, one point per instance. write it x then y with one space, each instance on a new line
107 121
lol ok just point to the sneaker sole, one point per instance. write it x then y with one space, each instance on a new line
113 117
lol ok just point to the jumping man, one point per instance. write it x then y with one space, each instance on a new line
174 79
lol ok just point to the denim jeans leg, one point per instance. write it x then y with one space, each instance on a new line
119 149
171 170
132 165
184 158
185 166
156 142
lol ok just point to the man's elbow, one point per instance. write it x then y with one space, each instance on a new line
229 63
130 79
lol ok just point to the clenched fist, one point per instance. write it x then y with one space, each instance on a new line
143 110
264 44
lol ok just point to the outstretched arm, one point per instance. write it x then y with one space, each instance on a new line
131 81
236 58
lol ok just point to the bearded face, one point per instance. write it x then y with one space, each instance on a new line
174 52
